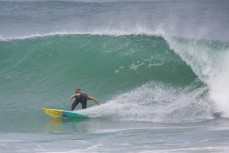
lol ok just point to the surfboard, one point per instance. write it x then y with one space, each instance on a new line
58 113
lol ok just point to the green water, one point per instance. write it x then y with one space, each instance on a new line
43 71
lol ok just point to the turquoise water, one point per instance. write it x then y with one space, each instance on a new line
159 71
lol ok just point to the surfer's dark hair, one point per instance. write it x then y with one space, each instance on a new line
77 90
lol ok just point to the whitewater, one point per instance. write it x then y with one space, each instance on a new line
159 69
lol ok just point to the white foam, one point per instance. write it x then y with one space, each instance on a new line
210 64
219 83
155 102
105 31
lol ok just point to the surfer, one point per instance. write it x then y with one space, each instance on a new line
81 97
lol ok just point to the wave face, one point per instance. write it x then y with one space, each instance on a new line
154 61
132 74
106 63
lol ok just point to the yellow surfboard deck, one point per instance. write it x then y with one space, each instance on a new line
58 113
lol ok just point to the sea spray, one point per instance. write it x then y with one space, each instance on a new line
219 83
209 60
158 102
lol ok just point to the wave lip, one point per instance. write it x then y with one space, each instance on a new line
138 30
209 61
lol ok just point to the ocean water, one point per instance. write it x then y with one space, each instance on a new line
159 68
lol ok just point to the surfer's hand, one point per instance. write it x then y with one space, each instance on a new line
70 99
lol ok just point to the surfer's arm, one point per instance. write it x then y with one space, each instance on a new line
70 98
93 99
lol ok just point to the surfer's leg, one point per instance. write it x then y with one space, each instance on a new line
84 103
74 104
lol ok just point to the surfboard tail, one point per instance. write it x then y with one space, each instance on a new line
56 113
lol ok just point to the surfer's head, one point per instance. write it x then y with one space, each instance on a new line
77 90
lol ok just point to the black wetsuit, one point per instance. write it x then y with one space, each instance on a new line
82 98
